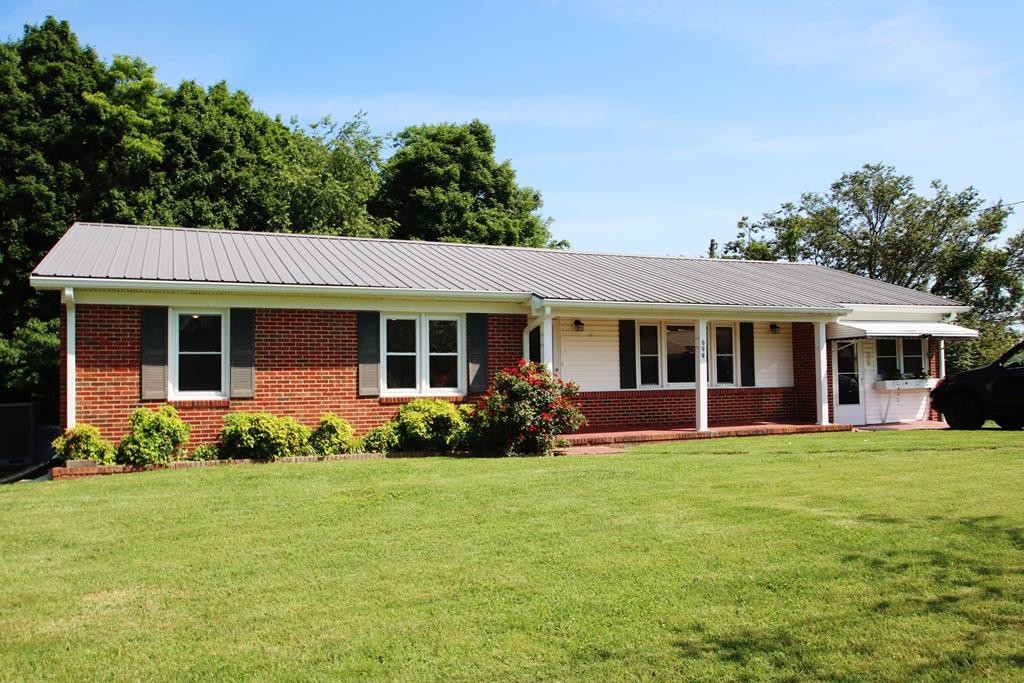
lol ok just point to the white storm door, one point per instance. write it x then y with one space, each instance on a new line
848 384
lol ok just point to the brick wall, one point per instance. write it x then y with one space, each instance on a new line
933 371
306 364
805 378
677 407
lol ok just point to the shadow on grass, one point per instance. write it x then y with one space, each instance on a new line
972 598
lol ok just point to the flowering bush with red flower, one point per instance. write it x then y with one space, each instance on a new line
526 410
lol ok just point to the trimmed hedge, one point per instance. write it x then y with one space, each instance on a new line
154 437
84 442
262 436
333 436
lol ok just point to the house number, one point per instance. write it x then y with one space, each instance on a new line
703 349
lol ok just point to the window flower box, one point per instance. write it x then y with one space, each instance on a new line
900 384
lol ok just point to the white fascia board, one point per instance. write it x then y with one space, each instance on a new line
147 292
124 297
566 308
45 282
904 313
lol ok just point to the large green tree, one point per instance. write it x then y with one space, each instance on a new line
444 183
871 222
82 139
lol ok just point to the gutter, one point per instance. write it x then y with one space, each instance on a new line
44 282
629 305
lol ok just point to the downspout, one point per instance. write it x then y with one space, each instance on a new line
942 359
68 297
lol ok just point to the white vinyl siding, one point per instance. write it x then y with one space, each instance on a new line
590 358
773 355
889 406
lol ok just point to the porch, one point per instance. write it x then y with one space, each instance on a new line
627 435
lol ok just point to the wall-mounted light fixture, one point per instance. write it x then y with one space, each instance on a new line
577 325
774 328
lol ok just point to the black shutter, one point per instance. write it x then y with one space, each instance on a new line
368 329
242 378
747 354
476 351
534 344
154 352
627 354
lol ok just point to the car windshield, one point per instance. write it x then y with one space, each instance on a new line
1014 359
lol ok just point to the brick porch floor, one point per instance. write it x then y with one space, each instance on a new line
627 435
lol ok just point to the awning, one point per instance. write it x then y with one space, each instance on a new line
857 329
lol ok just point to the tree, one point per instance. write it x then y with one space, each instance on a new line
443 183
873 223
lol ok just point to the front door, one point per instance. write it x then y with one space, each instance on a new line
848 387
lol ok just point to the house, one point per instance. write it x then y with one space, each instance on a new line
215 321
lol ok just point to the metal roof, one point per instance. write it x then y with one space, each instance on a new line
142 254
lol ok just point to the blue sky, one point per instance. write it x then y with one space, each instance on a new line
648 126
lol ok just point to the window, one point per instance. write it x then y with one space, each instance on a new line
887 353
423 354
198 358
649 355
666 354
681 353
725 354
897 357
913 356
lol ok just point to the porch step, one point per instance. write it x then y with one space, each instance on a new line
625 436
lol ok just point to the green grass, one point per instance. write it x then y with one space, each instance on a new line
881 556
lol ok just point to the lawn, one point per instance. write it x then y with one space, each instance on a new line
854 556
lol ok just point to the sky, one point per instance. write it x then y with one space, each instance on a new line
649 126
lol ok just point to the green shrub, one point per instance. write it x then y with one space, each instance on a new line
154 437
84 442
332 436
381 439
431 425
525 411
206 451
262 436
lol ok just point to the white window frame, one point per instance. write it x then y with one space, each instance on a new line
713 365
662 326
661 355
423 354
900 365
664 354
173 394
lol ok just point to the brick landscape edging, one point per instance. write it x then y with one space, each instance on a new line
77 471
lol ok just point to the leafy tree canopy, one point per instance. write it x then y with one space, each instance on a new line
81 139
871 222
443 183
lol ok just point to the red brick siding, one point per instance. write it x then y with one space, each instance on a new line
306 364
805 380
933 371
504 342
676 407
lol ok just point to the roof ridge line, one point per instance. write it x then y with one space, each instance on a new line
471 245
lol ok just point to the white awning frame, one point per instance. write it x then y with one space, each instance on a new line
870 329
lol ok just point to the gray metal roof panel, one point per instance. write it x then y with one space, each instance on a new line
92 250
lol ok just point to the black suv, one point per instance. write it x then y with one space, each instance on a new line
967 399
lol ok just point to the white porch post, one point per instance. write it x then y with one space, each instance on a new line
547 341
822 368
69 379
701 398
942 358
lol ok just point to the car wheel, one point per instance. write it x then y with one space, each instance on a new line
964 411
1010 422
